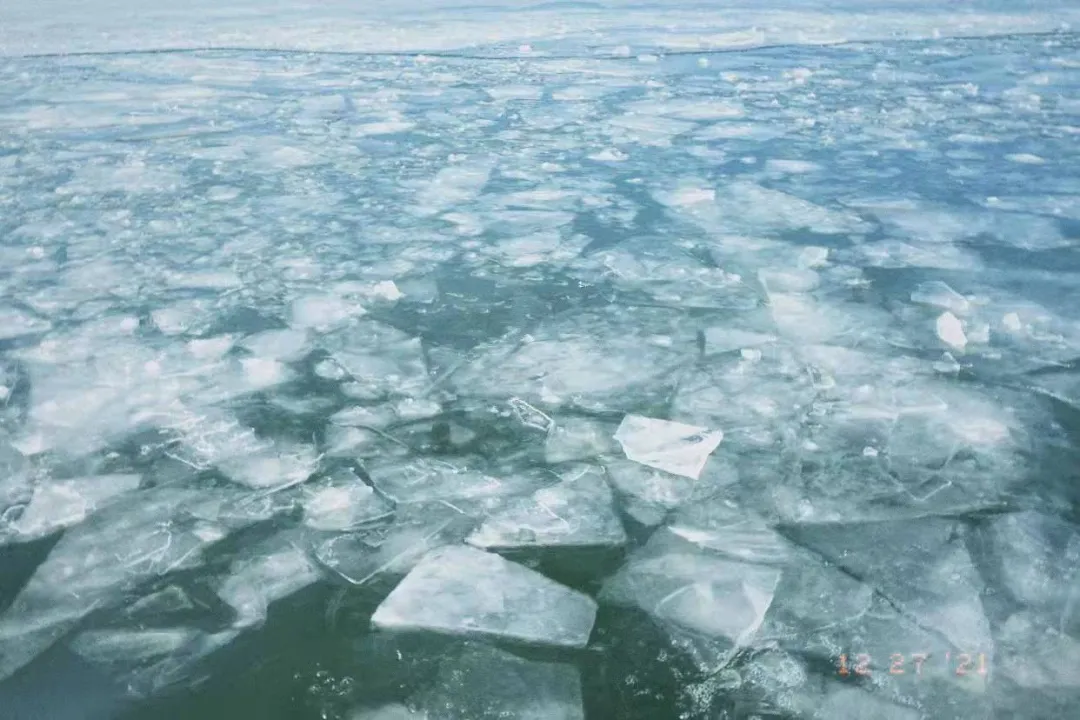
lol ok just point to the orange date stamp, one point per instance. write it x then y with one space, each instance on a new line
915 664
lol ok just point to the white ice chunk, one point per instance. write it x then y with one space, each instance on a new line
344 503
813 257
669 446
681 584
284 345
578 512
937 294
58 504
578 438
454 187
275 465
482 594
323 312
951 331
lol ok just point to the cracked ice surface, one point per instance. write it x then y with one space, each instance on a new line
292 340
481 593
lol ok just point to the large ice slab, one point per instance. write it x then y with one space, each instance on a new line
143 535
694 590
1037 558
482 594
577 512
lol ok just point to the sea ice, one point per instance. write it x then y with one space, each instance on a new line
673 447
57 504
481 682
576 438
695 590
578 512
482 594
1037 558
937 294
342 503
271 575
127 542
951 331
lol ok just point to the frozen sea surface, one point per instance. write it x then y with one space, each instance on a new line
584 360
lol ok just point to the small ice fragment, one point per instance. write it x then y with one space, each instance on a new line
750 354
529 416
1025 158
387 290
329 370
5 393
724 340
813 257
669 446
322 312
940 295
210 348
1012 323
951 331
263 372
480 593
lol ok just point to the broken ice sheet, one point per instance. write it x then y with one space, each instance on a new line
577 512
648 494
722 526
602 361
578 438
140 536
343 502
1036 655
1037 558
844 702
482 682
148 661
933 579
695 590
424 479
279 465
372 555
937 294
673 447
382 360
271 571
484 595
57 504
